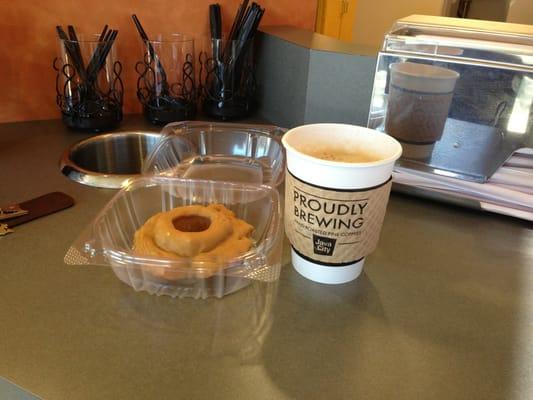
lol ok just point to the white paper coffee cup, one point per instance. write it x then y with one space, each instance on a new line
334 209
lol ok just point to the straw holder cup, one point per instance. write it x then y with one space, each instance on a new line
89 90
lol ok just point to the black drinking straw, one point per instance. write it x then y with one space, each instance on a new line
235 27
106 48
246 32
215 21
76 46
102 35
100 54
87 74
237 20
226 93
71 51
152 52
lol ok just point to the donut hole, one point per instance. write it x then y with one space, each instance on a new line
191 223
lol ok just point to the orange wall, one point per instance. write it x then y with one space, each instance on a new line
27 32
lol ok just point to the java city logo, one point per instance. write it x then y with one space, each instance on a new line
323 246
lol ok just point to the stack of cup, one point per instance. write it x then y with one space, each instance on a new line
338 183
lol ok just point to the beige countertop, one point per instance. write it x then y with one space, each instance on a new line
443 310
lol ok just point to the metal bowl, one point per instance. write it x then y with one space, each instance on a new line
107 160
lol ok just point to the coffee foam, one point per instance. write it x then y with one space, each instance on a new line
340 155
333 174
343 145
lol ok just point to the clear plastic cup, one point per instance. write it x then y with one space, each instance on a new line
166 84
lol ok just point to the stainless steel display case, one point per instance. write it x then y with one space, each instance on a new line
491 112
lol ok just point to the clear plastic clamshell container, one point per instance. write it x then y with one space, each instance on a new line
109 239
219 151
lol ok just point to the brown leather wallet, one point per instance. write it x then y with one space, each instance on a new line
36 208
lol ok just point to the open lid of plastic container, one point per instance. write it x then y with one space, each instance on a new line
219 151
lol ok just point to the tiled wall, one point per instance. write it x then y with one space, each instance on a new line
28 40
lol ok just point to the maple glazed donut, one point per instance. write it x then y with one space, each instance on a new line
195 240
206 235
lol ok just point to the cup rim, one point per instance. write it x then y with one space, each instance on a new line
173 37
94 38
446 72
366 131
223 39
